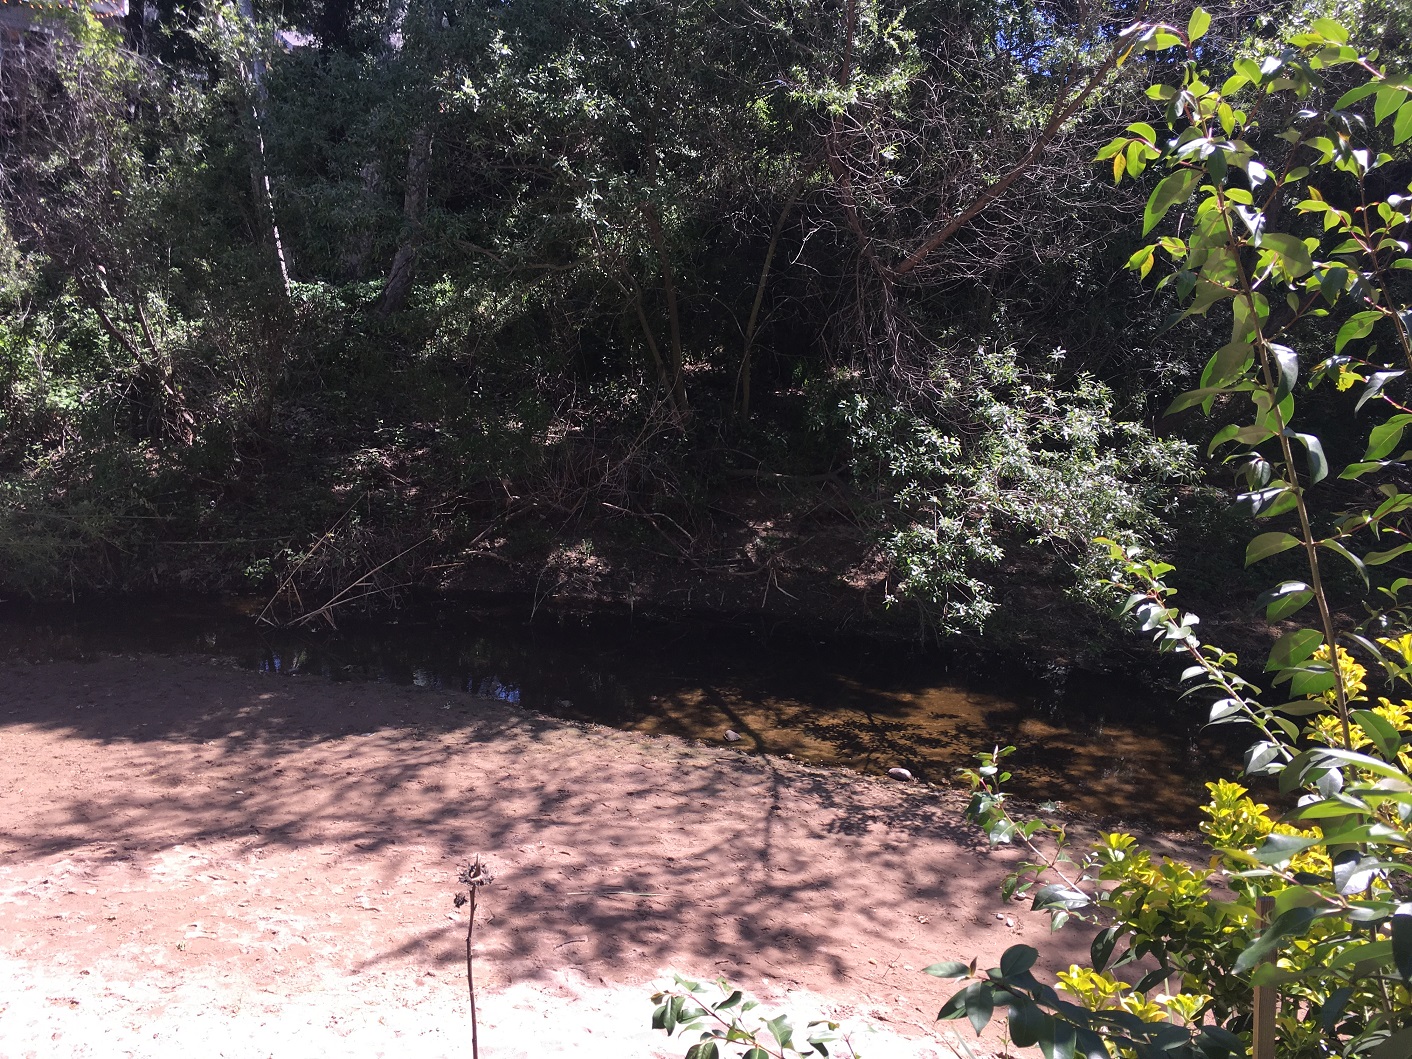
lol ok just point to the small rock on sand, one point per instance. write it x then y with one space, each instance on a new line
732 737
899 774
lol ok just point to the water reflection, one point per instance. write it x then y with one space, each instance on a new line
1093 742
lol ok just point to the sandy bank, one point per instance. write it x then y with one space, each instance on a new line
199 860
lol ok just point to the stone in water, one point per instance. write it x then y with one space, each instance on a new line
732 737
899 774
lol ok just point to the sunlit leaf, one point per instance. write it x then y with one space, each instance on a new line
1293 647
1171 190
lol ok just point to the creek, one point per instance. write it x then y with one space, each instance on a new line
1099 745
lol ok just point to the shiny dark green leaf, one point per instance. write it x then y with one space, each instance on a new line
1017 959
1401 926
1284 599
1027 1023
1288 924
980 1005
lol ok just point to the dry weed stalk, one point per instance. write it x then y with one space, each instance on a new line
473 876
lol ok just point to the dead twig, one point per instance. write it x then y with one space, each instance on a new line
288 581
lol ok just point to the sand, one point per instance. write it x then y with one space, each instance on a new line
197 860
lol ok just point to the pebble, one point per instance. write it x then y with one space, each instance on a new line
899 774
732 737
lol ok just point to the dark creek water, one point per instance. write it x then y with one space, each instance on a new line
1093 743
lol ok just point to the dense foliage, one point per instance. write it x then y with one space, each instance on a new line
1296 217
477 269
1291 208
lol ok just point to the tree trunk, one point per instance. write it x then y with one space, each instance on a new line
259 169
669 289
743 379
414 206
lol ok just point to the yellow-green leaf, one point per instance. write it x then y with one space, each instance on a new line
1197 26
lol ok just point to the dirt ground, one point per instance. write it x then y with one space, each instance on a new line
202 861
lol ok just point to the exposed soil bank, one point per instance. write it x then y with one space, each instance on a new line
197 860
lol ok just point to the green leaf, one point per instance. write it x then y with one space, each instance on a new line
1353 95
1172 190
1303 707
1057 895
1287 364
980 1005
1331 30
1027 1023
1387 103
1292 251
1267 503
1197 25
1363 761
1357 470
1141 260
1229 362
1194 397
1311 681
1160 39
1402 124
780 1029
1333 281
1398 1046
1017 959
1332 1009
1090 1044
1268 544
1402 947
1353 560
955 1007
1284 599
1292 648
1384 736
949 969
1222 711
1318 464
704 1050
1359 325
1100 950
1382 439
1376 382
1295 921
1378 558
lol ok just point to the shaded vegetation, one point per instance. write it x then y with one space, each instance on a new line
345 297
